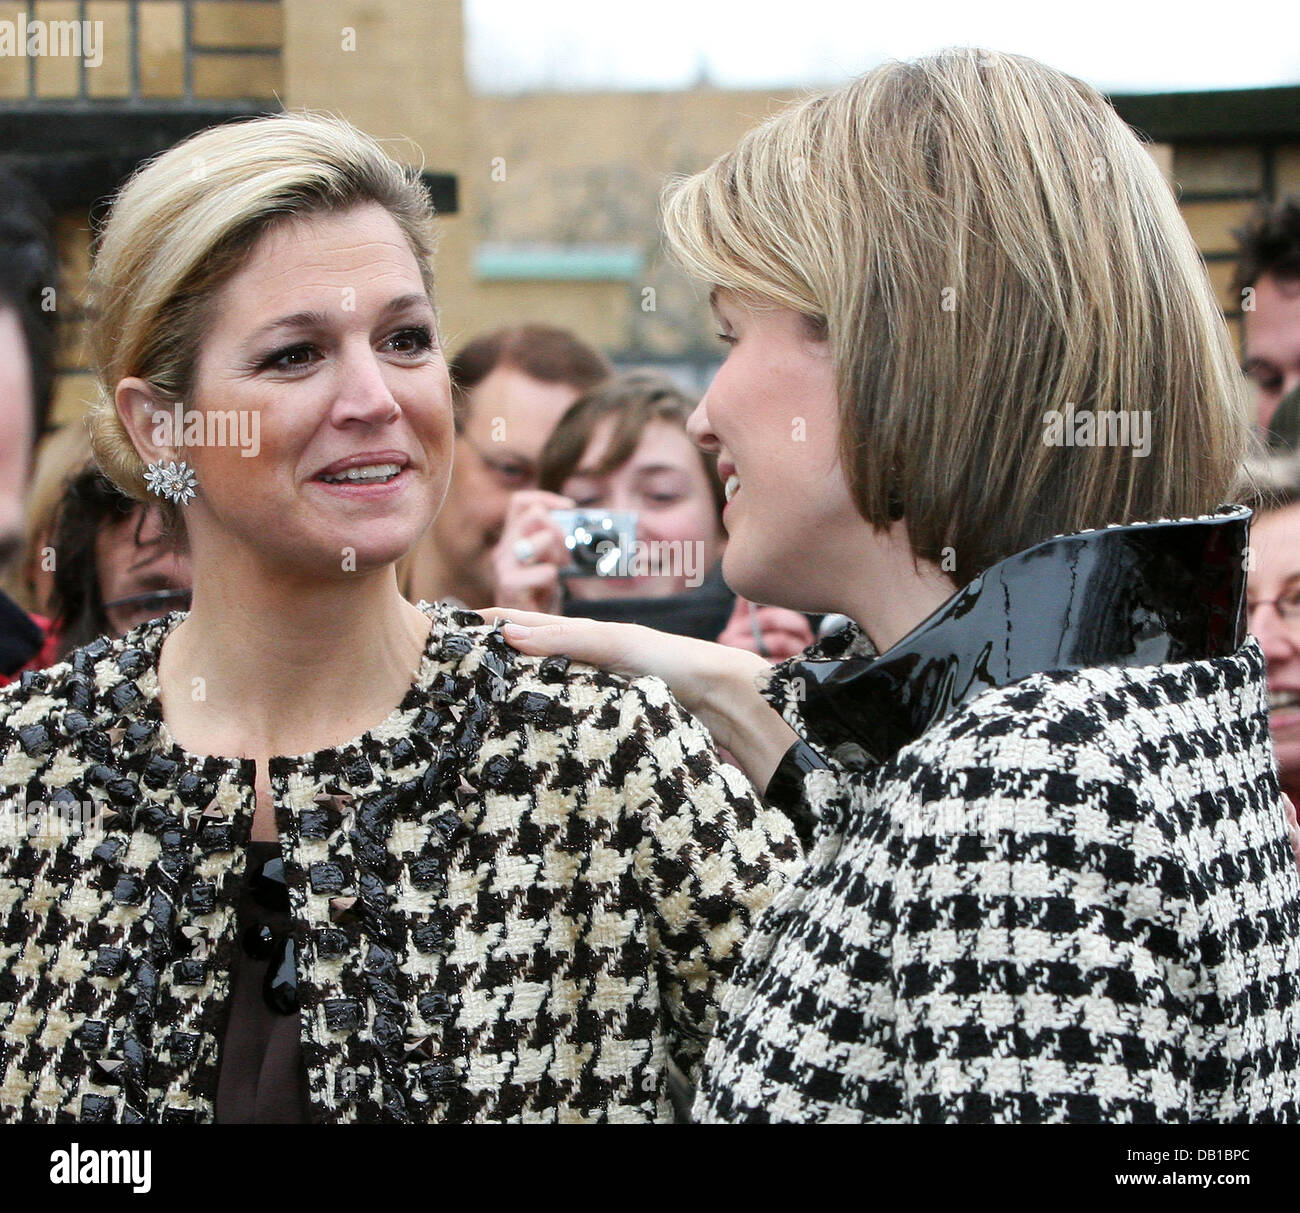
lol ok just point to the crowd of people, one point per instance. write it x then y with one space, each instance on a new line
509 737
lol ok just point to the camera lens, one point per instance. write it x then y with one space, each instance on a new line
594 548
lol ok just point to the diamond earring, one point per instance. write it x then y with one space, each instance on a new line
171 481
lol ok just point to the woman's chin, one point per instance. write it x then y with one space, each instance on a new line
332 560
750 579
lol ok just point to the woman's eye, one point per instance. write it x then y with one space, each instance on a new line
511 475
290 358
1265 379
663 498
411 341
726 338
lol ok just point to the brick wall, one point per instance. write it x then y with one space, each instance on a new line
154 52
234 51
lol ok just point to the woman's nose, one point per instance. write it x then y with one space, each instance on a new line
700 428
364 394
622 498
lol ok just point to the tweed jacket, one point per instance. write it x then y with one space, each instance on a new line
515 899
1051 878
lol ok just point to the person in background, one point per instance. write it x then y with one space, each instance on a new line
1271 485
63 455
509 388
96 562
773 632
28 278
1268 283
623 447
117 563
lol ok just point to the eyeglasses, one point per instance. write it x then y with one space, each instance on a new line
271 892
1287 606
158 601
508 473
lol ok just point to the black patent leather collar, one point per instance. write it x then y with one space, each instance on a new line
1136 595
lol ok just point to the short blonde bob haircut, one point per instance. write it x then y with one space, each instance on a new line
983 242
185 223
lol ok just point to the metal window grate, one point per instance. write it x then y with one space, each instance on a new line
190 51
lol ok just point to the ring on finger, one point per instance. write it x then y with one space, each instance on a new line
525 551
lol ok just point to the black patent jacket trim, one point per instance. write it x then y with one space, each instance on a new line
1140 595
785 788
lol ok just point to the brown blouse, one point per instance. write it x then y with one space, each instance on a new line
262 1079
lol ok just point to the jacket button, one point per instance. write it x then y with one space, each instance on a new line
437 1078
93 1034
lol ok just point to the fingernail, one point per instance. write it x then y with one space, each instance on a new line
516 630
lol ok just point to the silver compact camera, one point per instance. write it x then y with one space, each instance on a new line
600 542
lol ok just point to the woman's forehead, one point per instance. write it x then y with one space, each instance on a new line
662 443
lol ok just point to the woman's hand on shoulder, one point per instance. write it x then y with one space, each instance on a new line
687 665
716 683
1292 825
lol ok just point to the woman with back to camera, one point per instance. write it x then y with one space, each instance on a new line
1051 879
323 887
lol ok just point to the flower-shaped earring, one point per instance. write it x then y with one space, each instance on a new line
171 481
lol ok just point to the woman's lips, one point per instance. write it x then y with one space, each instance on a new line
365 490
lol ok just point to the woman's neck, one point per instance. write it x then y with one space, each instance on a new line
285 665
890 593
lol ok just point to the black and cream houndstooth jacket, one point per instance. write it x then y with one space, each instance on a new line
1051 877
513 900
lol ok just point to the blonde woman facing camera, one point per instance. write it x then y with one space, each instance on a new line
1051 877
339 857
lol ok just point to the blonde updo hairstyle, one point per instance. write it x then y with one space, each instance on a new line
185 223
981 240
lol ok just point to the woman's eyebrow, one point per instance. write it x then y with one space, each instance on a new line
1288 585
298 320
403 302
312 319
647 469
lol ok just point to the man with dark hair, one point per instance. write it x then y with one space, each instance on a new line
509 388
1268 280
27 273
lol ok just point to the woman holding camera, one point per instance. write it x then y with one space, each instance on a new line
622 451
356 861
1051 877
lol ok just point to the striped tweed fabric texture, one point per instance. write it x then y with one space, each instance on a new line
514 900
1072 899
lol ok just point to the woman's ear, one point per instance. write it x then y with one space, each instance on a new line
149 421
